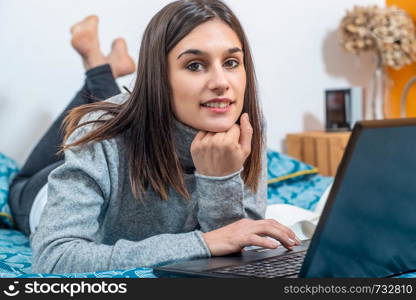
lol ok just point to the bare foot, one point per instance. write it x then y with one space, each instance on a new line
119 59
85 42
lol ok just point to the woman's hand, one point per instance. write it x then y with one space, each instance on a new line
222 153
246 232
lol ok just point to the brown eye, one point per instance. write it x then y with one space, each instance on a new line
231 64
194 67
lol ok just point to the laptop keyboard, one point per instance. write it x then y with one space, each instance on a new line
272 267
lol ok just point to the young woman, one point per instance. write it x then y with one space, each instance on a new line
176 169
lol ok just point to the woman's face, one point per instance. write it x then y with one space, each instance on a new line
207 77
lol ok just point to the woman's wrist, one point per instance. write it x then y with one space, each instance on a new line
224 177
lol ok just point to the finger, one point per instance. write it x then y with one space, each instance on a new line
200 135
265 228
196 143
256 240
286 229
292 238
218 137
246 133
207 137
233 134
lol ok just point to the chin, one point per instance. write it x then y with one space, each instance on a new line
216 127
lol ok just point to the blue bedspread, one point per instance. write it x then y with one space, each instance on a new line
16 255
289 181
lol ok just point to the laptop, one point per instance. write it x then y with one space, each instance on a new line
367 227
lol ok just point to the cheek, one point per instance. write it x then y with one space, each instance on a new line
240 88
177 87
241 93
243 84
184 88
185 95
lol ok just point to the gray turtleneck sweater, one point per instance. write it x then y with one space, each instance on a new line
92 222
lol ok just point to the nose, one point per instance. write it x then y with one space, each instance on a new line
218 81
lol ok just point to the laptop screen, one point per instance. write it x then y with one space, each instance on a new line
368 227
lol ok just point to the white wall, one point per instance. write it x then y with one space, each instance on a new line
294 44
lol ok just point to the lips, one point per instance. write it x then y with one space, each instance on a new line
217 103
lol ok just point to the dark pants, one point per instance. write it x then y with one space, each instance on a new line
99 85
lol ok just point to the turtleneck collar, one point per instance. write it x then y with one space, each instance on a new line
184 135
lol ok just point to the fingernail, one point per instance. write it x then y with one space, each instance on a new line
298 240
291 242
274 244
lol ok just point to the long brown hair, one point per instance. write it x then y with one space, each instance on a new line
145 120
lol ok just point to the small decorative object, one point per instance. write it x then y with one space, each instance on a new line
343 108
387 31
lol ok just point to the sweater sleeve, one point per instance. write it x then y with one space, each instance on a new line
66 238
224 200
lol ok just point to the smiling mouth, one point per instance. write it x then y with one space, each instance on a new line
217 104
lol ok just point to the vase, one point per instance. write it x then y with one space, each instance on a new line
377 90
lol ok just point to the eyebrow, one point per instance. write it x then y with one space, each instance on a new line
200 52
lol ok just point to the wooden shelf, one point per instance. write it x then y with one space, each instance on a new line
323 150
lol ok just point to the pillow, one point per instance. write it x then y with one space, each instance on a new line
8 169
290 181
282 167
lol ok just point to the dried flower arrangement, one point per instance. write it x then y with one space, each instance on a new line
387 30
